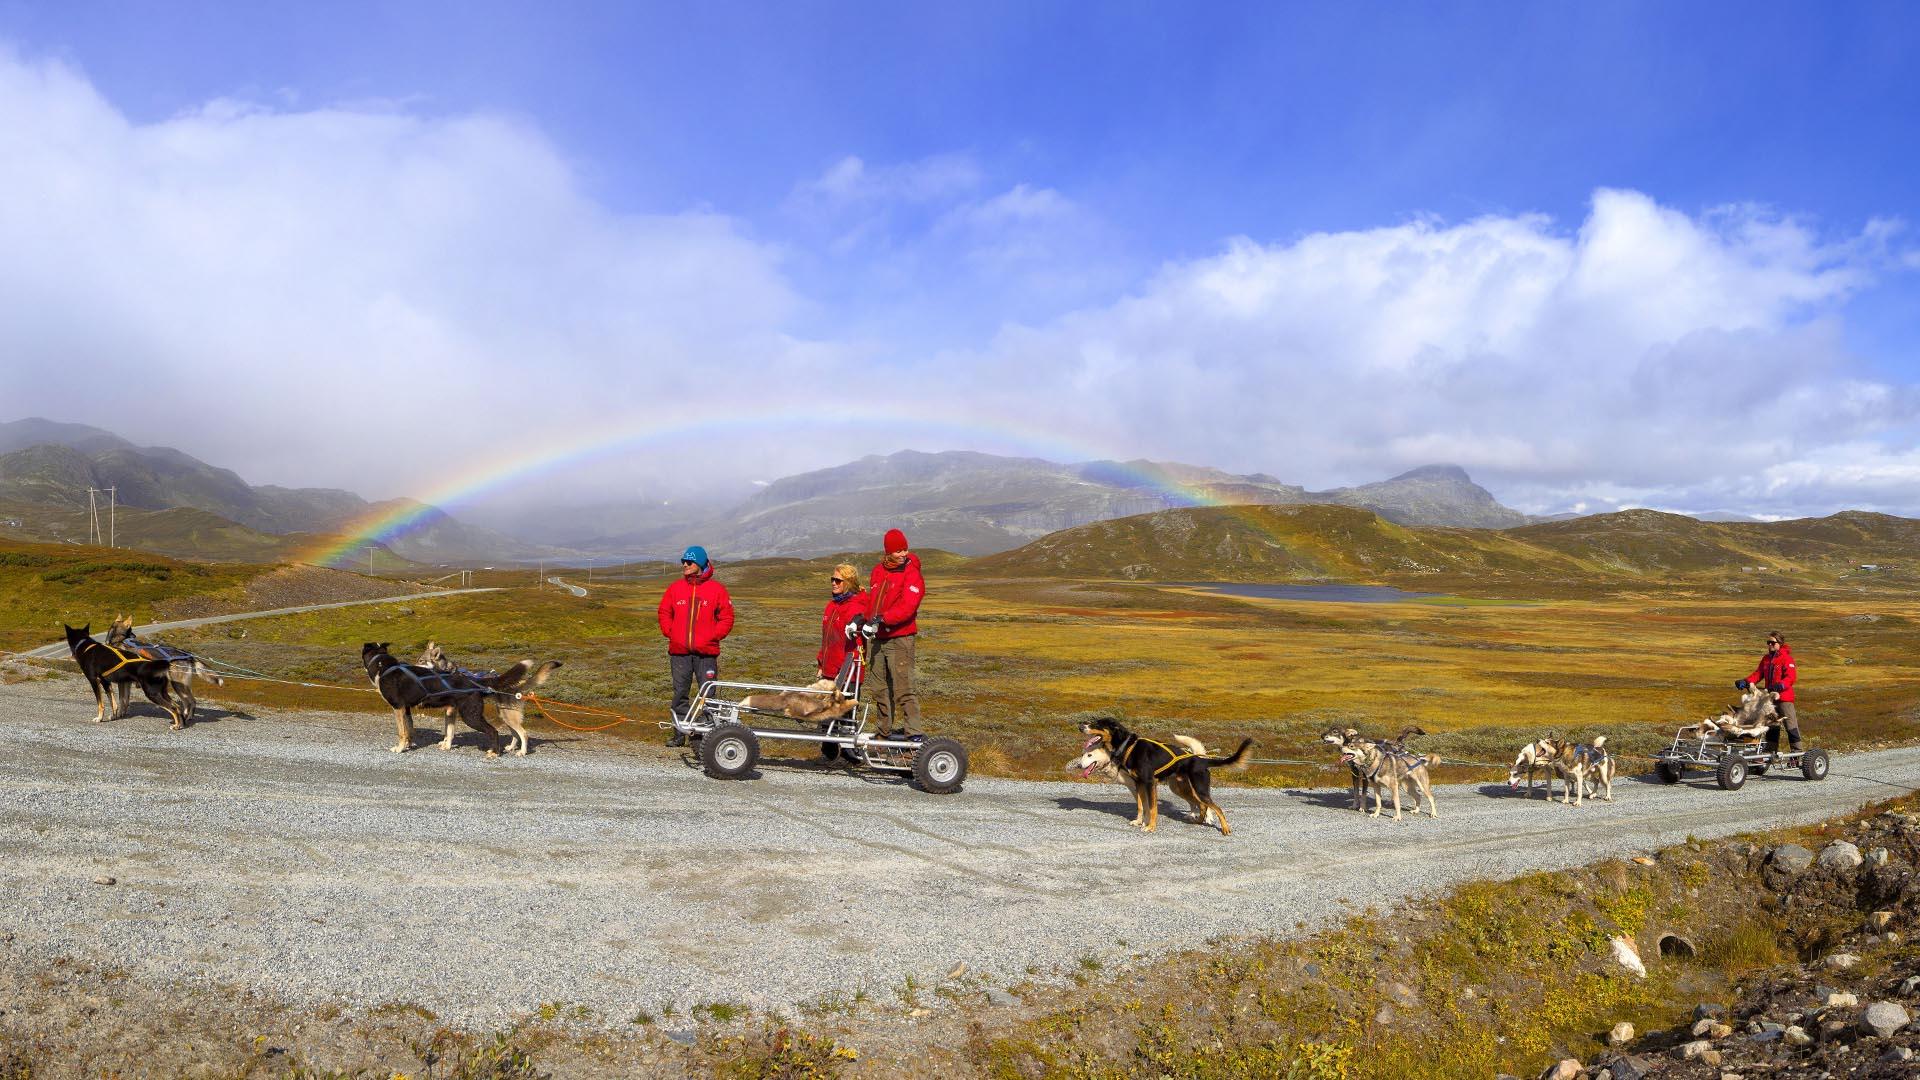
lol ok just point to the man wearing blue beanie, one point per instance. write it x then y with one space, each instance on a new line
695 614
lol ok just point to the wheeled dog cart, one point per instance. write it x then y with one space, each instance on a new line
726 734
1732 760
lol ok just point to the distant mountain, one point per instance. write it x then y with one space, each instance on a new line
52 464
976 503
1308 543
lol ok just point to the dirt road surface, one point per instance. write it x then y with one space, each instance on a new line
289 853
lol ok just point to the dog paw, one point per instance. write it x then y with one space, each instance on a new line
491 754
444 745
522 752
401 749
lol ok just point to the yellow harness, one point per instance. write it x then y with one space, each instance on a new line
1175 757
124 658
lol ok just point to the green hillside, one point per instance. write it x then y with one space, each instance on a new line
43 585
1307 543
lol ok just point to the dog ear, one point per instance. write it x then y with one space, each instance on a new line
546 669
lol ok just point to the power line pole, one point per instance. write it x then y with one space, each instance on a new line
112 534
113 516
93 517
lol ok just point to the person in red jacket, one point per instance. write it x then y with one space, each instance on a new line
845 603
896 589
1777 674
695 614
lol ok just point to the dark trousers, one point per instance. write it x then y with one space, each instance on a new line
686 669
892 675
1789 719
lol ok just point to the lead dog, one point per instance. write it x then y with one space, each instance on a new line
509 689
182 666
406 687
1096 759
1150 762
110 671
1340 737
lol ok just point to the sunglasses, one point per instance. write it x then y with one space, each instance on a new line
838 580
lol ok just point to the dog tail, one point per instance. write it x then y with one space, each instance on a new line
1599 741
1409 731
202 671
1231 759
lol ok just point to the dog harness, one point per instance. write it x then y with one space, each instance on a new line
445 680
124 658
1412 762
1175 757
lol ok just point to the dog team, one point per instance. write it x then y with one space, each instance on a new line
696 613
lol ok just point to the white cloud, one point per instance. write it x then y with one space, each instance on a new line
1648 355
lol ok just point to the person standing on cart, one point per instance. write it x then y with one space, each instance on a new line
1776 674
845 603
895 590
695 614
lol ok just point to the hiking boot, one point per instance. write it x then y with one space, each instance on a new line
1793 744
679 739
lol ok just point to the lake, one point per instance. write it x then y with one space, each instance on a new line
1331 594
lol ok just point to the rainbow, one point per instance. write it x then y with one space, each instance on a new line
349 546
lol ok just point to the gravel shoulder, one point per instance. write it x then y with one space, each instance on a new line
289 854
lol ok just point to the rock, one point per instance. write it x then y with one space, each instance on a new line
1772 1025
1797 1036
1883 1018
1708 1009
1700 1027
1719 1031
1840 855
104 880
918 1013
683 1036
1731 1076
1878 856
1878 921
1710 1057
1312 970
958 970
1790 858
1403 995
1564 1069
1841 961
1386 1016
1621 1035
1896 1053
1910 987
996 996
1630 1067
1692 1051
1627 955
1764 1037
1643 860
1839 1000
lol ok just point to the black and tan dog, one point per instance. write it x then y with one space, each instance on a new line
509 689
112 672
182 666
407 687
1149 762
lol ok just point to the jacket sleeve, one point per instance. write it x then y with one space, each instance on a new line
1788 677
723 615
1755 678
666 614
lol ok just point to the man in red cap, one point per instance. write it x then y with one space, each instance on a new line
896 589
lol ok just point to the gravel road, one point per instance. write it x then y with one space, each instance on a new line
290 853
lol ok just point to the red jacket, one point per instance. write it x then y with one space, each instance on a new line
896 597
834 646
695 616
1776 669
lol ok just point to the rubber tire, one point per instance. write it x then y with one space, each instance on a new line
1732 772
730 751
1668 772
940 766
1814 764
829 751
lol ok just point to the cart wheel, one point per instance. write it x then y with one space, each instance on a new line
730 751
1668 772
830 751
1813 765
940 766
1732 772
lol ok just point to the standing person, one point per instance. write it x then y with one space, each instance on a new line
1776 673
695 614
896 588
843 606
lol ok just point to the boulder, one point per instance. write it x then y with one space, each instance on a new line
1878 921
1884 1018
1838 1000
1797 1036
1840 855
1791 858
1841 961
1621 1035
1564 1069
1692 1051
1630 1067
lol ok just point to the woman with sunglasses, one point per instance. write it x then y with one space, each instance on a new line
843 606
1776 673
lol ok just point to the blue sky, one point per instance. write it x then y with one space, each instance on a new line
906 182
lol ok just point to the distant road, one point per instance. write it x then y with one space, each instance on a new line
58 648
574 589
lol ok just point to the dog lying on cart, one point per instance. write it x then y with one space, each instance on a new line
1730 746
727 721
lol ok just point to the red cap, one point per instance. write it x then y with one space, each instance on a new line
895 540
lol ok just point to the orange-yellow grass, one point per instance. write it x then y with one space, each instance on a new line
1007 665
